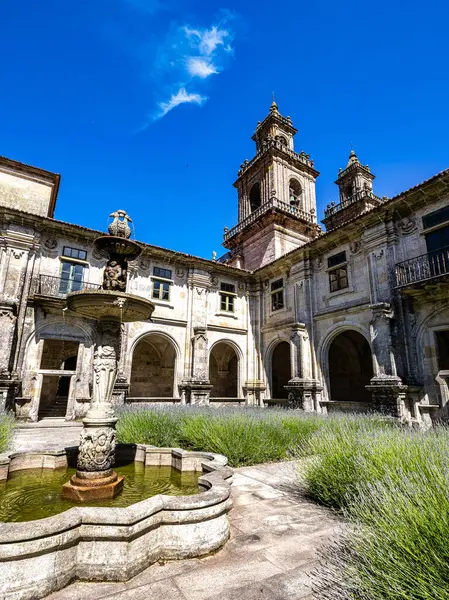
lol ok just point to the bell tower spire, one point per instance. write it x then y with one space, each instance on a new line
276 196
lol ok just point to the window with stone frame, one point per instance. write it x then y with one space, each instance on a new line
338 272
227 297
72 270
277 294
162 281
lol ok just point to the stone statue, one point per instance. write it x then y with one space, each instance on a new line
119 226
114 277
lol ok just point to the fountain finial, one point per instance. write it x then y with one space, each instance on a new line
119 226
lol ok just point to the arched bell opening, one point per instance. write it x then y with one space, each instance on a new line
255 199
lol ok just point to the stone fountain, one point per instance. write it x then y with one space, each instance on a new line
111 306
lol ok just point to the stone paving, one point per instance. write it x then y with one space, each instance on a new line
275 534
48 434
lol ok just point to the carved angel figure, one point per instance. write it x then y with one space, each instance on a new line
119 226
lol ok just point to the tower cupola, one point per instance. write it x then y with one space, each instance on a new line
276 196
355 184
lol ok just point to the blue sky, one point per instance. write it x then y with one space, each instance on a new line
149 105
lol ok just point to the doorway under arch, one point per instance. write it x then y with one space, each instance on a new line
350 367
223 371
153 367
280 370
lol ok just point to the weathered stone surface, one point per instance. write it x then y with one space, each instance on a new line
102 544
272 560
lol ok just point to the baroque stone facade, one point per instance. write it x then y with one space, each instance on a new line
354 318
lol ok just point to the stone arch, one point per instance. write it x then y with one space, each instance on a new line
154 362
278 366
324 346
225 360
36 384
350 367
255 197
57 330
431 373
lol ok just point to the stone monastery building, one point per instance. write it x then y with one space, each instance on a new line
355 318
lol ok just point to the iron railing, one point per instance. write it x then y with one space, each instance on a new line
334 208
424 267
273 203
56 287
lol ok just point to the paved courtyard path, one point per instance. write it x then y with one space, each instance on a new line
275 534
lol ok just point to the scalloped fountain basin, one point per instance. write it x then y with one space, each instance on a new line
97 543
121 306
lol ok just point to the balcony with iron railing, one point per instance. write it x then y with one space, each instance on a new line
426 267
331 209
272 204
57 287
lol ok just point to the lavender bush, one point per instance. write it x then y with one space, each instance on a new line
393 488
246 436
6 430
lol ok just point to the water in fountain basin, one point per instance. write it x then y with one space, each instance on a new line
36 493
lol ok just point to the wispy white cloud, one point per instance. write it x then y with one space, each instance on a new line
209 39
200 67
187 59
182 96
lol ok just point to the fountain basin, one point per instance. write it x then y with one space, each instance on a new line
113 544
120 306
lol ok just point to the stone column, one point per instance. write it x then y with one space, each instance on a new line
195 389
302 388
8 380
254 386
94 476
198 388
100 420
387 390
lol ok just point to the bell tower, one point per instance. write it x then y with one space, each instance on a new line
276 197
355 184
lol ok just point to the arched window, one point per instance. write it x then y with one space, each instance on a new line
294 193
349 191
254 197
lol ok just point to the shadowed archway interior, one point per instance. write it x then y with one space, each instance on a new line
350 367
280 370
153 368
223 371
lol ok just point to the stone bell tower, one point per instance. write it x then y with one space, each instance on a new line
355 183
276 197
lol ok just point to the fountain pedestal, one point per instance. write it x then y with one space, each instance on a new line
94 478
